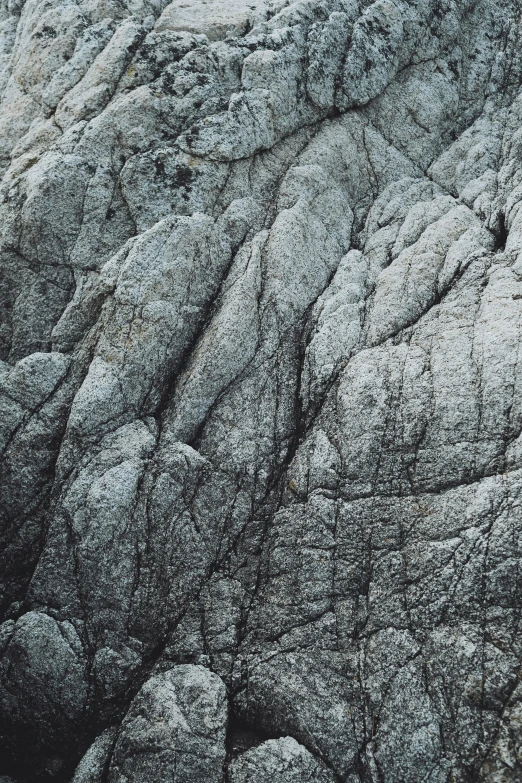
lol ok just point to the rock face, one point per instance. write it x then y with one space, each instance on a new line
261 391
282 761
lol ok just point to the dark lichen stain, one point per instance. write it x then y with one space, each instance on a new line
454 67
159 165
46 32
179 176
183 177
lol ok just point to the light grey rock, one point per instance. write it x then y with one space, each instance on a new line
283 761
174 730
215 19
260 390
92 767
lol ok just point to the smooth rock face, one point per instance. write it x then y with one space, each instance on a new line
260 391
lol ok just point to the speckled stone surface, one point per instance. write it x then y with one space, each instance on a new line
260 391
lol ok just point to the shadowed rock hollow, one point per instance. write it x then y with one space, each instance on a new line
261 391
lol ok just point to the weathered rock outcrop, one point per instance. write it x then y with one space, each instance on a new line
261 391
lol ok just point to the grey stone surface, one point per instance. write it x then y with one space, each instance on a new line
260 391
93 766
174 730
282 761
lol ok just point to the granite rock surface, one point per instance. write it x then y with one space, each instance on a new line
261 391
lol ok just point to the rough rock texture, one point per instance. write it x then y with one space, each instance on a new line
281 761
261 391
